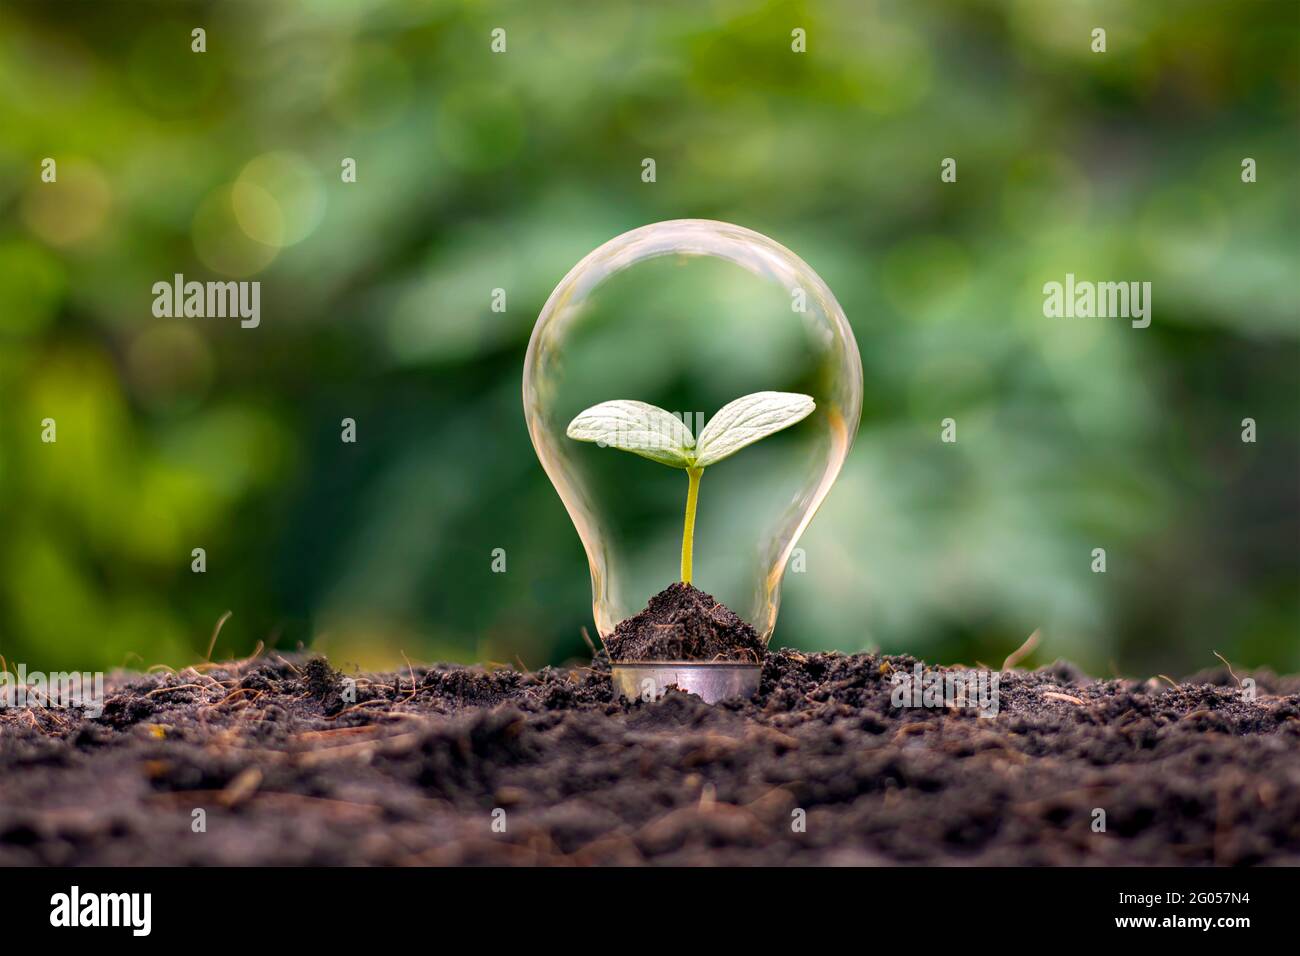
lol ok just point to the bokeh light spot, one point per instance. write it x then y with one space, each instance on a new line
71 210
285 181
219 238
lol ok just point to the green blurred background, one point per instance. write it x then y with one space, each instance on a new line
478 171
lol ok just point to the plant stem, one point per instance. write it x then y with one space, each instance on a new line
688 532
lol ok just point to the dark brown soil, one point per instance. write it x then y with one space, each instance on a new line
287 769
682 623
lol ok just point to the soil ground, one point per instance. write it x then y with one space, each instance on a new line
287 771
682 623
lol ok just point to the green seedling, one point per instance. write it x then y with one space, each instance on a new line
653 433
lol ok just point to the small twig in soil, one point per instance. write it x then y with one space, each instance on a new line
167 690
1065 697
362 749
230 665
236 693
191 673
1229 667
415 685
212 644
1023 651
243 786
370 729
288 664
708 797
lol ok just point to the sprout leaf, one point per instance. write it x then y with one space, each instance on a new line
653 433
642 429
748 419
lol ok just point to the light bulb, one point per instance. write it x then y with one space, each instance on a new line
689 315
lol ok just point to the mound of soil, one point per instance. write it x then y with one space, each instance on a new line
682 623
292 762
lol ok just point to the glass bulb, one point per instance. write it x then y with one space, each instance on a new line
688 315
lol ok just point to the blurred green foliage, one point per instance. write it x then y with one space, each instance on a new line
477 171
